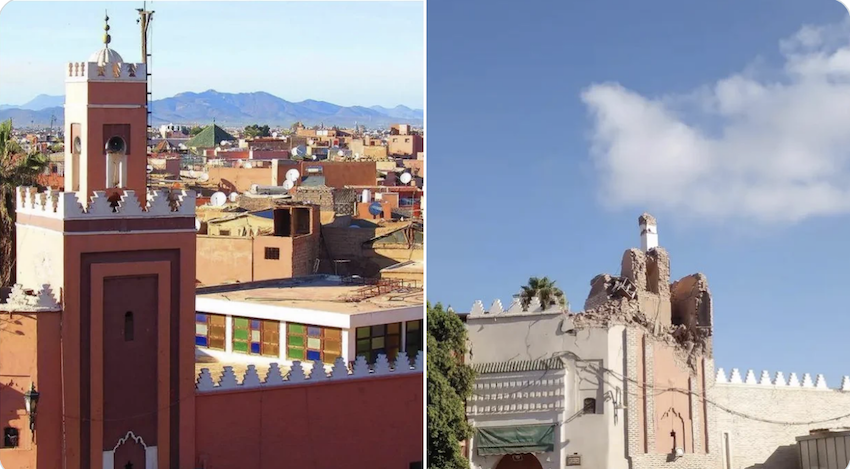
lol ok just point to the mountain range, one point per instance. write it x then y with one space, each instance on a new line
230 109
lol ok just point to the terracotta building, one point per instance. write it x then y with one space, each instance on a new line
98 350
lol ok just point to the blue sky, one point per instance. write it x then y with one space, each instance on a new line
347 53
553 125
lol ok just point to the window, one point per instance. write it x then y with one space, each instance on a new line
128 326
10 437
224 232
313 343
256 337
210 330
589 406
272 254
376 340
413 339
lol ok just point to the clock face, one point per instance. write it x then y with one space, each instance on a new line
78 145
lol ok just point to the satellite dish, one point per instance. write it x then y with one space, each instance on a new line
315 157
288 185
406 178
357 156
192 174
197 225
204 177
340 153
239 162
233 196
309 142
247 165
218 199
255 188
150 169
292 175
376 209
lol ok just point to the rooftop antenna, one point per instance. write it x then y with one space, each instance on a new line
145 18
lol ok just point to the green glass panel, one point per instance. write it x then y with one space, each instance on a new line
240 347
296 340
295 353
413 325
295 328
363 332
378 342
240 334
364 345
240 322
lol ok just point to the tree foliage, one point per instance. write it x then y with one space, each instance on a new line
254 131
545 290
449 386
16 169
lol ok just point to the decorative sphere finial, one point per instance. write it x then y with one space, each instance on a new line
106 37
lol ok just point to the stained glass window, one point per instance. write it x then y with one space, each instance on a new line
413 338
308 343
376 340
256 337
210 330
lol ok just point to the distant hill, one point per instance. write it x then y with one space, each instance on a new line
233 109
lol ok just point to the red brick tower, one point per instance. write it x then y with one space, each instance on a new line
115 368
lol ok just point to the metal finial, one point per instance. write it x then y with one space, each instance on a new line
106 37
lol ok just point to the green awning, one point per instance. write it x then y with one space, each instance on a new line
516 440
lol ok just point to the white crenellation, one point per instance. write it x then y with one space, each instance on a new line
42 301
229 381
382 365
251 379
91 71
793 381
819 383
736 377
296 373
273 376
515 307
317 371
73 206
807 381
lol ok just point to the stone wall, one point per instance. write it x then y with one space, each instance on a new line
763 416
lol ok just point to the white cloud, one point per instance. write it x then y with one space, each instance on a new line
745 147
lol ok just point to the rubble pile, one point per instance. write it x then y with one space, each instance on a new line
614 301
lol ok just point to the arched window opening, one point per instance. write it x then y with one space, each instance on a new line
128 326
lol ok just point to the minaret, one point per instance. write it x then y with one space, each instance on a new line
111 339
105 105
648 232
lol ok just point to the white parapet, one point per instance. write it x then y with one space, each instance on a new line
70 206
496 308
793 382
318 373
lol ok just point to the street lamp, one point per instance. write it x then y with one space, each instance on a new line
31 402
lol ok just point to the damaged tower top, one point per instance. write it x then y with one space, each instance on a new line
648 232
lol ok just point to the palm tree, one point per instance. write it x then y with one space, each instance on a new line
16 169
545 290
